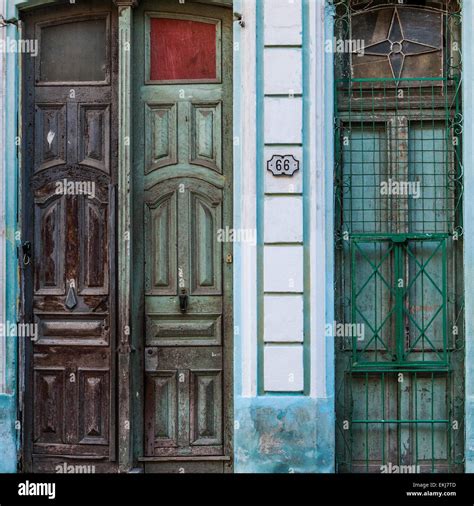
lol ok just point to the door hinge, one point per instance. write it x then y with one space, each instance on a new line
239 18
229 258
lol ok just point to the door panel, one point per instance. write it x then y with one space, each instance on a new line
183 197
69 219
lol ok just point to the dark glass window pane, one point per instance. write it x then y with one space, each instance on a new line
182 50
73 52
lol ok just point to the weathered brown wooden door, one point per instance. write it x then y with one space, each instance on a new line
69 221
183 197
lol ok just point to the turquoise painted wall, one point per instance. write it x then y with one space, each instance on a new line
8 399
283 434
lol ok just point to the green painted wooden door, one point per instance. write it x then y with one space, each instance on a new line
182 198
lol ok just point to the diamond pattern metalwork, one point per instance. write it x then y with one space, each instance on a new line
396 47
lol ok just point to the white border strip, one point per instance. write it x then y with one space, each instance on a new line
248 201
317 199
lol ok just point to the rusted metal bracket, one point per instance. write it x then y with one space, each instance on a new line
239 18
10 21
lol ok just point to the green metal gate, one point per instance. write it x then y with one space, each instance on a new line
399 372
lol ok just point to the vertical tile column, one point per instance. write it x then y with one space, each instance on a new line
287 424
282 220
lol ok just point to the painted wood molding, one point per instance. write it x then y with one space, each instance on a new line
126 3
124 232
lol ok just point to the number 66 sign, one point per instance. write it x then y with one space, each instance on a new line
283 165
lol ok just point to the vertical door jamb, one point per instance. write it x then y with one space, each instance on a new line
124 402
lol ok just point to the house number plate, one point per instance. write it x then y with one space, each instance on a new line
283 165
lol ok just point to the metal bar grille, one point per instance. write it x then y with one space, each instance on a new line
398 179
399 156
407 422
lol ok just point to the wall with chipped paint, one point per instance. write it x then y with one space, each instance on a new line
284 399
2 202
8 274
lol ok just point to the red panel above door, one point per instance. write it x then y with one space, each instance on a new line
182 50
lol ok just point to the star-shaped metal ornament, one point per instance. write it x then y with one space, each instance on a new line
396 47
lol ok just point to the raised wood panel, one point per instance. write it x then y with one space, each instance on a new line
160 136
73 330
93 237
206 135
206 407
206 358
94 403
49 247
173 330
94 136
50 136
49 415
162 414
206 252
161 246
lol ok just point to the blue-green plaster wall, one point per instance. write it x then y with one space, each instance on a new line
9 439
283 434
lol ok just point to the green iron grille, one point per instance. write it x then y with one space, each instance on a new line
400 386
399 287
399 157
